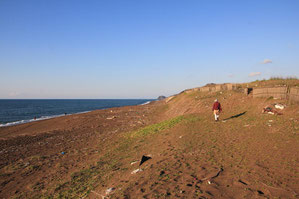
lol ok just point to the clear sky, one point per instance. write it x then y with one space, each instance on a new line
142 48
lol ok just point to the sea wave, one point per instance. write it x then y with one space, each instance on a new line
146 103
37 119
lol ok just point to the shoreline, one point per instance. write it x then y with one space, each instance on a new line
50 150
47 117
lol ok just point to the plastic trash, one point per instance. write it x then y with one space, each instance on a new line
109 190
134 162
136 171
279 106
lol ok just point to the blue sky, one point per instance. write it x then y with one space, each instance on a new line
142 48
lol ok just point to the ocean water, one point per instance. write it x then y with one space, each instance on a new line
13 112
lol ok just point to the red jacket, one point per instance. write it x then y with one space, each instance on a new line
216 106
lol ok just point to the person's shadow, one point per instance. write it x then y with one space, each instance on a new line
235 116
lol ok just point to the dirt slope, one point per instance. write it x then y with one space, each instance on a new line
246 155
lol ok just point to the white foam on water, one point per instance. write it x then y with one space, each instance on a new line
37 119
146 103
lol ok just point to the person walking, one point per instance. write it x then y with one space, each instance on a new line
216 109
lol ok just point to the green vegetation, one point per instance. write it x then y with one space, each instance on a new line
155 128
167 124
274 81
82 182
284 78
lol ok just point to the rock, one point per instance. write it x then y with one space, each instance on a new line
161 97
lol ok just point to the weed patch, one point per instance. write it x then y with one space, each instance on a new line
155 128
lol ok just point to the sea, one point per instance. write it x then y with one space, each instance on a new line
19 111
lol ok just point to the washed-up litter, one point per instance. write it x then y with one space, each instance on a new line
279 106
110 118
270 120
270 111
180 136
144 159
136 171
134 162
62 153
109 190
267 109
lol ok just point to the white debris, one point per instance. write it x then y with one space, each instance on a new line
209 182
136 171
180 136
246 125
134 162
270 120
110 118
279 106
109 190
271 113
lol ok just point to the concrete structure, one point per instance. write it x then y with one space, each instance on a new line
275 92
204 89
294 94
